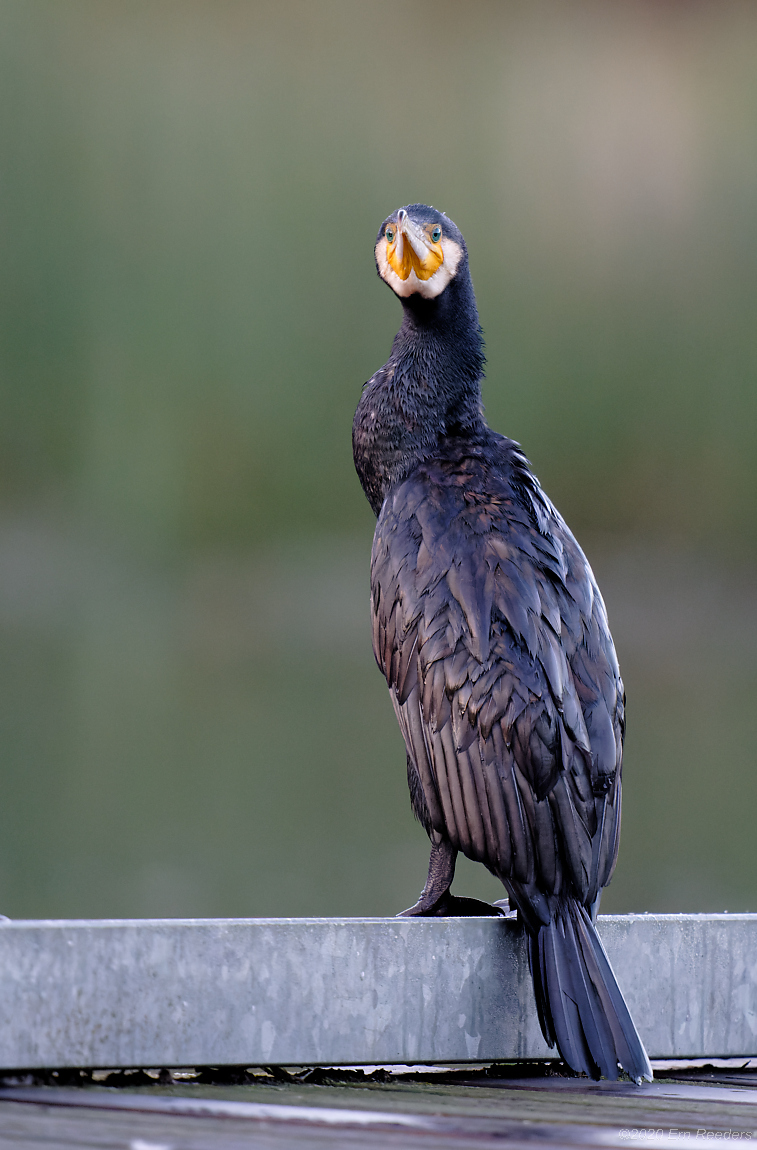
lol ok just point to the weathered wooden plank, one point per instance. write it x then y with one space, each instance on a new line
348 991
524 1113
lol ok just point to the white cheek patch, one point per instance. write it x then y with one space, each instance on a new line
429 288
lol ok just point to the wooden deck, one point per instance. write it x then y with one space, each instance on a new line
458 1109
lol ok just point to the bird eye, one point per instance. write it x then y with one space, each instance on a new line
436 234
390 235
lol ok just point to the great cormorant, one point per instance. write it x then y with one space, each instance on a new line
493 637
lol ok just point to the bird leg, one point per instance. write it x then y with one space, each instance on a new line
435 899
441 871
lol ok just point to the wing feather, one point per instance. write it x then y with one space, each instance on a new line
455 789
440 770
500 823
482 796
407 671
575 839
420 753
521 862
471 799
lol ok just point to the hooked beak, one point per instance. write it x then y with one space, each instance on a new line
413 250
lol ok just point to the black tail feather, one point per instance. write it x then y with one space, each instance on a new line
580 1006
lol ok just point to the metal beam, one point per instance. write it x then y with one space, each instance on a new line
215 992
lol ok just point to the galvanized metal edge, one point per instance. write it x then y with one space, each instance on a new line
186 992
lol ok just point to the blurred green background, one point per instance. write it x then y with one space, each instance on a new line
191 720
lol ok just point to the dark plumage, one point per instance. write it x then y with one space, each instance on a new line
493 638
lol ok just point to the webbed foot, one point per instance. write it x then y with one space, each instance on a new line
451 906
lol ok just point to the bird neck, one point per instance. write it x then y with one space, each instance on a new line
429 389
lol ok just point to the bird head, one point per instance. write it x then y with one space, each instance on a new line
419 251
